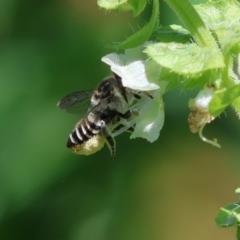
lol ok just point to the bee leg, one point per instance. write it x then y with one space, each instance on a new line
138 95
109 139
130 129
129 114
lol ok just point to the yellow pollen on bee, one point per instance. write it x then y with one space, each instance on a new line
89 147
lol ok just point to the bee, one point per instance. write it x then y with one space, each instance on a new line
109 111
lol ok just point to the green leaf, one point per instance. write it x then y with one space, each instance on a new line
230 44
236 213
222 18
111 4
216 14
188 59
222 99
193 22
174 80
173 33
143 34
236 106
199 82
226 216
137 6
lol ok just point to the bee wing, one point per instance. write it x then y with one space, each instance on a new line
76 102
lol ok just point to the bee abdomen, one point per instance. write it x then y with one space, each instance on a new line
82 133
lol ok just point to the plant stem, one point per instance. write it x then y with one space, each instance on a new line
189 16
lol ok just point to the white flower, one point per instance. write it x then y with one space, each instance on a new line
141 75
203 99
134 74
199 115
150 120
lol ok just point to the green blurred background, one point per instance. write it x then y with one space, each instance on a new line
171 189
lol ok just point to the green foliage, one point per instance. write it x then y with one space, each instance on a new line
223 98
173 33
141 36
185 59
229 216
137 6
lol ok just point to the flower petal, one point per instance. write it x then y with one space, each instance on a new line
203 98
150 120
138 75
